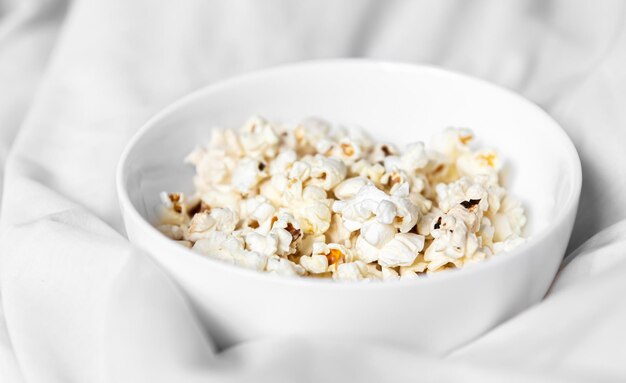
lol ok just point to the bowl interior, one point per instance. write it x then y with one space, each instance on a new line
392 102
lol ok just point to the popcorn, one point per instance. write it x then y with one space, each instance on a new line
287 231
357 135
389 274
428 222
453 238
262 244
225 219
310 201
251 260
417 268
256 210
274 188
480 255
215 163
401 250
347 150
334 253
219 245
461 191
371 202
509 221
308 242
381 151
258 138
373 172
283 266
308 136
366 251
283 162
349 187
452 142
172 211
326 172
352 271
300 171
376 233
481 162
247 175
407 214
201 225
414 158
220 196
226 141
337 232
360 208
172 231
437 260
486 232
316 264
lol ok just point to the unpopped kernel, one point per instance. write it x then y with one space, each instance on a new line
312 201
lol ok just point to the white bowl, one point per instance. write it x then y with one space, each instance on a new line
393 102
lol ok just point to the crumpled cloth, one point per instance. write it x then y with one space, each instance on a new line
79 303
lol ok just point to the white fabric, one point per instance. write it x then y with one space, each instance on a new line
80 304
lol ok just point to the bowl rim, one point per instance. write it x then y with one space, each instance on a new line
130 213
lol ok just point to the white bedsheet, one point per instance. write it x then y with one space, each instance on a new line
80 304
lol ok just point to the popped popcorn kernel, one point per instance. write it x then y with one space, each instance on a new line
310 200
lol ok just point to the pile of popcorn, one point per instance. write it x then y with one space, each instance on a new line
309 200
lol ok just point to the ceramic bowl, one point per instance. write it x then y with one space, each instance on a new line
394 102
